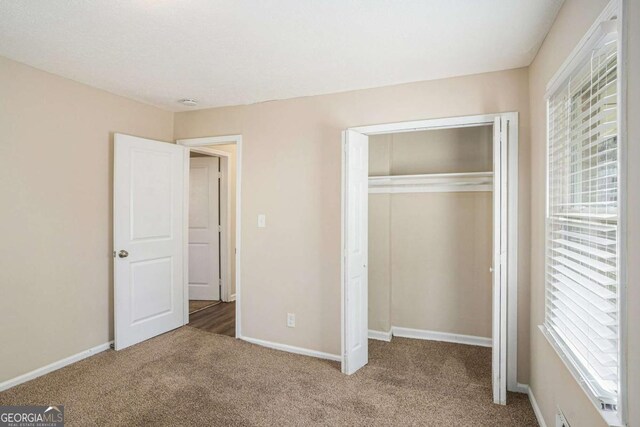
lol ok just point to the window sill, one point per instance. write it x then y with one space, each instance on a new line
612 418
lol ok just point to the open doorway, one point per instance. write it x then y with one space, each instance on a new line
491 171
213 234
205 231
151 235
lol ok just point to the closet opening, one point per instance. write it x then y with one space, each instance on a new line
429 246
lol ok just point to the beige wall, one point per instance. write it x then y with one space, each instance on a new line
380 154
56 162
379 264
292 172
440 258
429 253
550 381
468 149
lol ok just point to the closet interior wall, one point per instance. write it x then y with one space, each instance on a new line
430 252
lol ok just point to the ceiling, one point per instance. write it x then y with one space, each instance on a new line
230 52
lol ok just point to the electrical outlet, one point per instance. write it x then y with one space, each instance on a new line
291 320
262 221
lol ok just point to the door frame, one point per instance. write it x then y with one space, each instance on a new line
510 358
205 146
225 220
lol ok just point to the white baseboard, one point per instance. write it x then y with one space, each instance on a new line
379 335
536 408
53 366
441 336
292 349
232 297
520 388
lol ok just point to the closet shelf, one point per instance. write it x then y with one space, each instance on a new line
432 183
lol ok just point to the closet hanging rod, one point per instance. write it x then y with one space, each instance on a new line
432 183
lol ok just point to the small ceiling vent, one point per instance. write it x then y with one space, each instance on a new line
189 102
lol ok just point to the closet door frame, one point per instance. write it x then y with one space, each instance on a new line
508 141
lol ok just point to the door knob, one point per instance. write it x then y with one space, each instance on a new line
123 254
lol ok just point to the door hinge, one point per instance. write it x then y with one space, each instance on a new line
219 174
219 229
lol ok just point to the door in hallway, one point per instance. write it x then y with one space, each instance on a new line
204 228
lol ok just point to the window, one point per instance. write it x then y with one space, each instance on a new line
582 229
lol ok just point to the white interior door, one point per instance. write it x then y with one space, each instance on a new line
204 228
356 251
148 238
499 330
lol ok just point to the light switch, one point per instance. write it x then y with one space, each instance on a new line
262 221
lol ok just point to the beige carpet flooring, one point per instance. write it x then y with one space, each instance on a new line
192 377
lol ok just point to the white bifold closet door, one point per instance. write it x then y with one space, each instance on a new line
204 229
148 238
356 251
355 247
499 300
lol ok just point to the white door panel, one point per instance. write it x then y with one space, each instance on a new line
151 295
204 234
151 194
148 238
356 251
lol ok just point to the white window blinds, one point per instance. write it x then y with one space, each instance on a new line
582 221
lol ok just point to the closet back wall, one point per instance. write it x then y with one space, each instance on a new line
430 253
